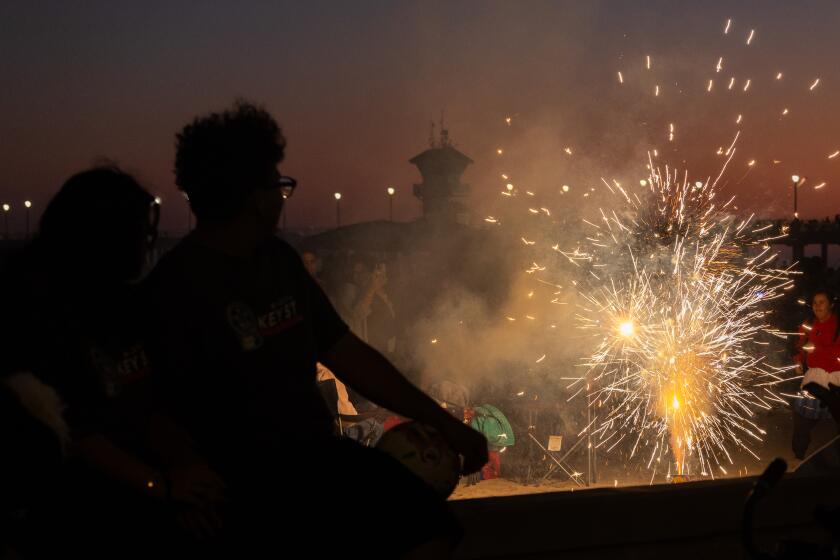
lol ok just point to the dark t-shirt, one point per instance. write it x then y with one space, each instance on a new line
84 341
237 340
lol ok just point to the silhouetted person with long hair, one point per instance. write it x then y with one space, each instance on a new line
243 325
76 322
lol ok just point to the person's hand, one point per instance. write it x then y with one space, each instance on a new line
470 444
195 485
798 369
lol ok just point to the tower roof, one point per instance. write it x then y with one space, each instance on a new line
443 156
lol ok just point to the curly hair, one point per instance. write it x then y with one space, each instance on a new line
221 157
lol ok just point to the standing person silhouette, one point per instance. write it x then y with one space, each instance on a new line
242 325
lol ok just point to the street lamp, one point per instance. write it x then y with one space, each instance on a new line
28 205
6 209
391 192
795 179
337 209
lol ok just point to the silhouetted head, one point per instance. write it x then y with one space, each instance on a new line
226 164
101 224
311 262
360 273
822 304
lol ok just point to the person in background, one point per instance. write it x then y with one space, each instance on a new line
350 294
312 264
381 319
367 307
818 360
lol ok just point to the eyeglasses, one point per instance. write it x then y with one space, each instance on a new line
286 185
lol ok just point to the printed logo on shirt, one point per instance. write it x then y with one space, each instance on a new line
252 328
121 369
281 315
244 323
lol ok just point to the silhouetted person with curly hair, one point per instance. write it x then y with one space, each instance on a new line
242 325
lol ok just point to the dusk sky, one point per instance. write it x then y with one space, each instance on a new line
355 85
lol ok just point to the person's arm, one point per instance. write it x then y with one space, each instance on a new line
368 372
98 451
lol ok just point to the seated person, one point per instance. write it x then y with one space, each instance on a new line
240 326
75 324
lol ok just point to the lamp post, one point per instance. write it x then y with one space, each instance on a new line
6 209
391 192
337 209
28 205
795 179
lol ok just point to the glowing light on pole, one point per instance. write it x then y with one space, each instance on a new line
6 209
391 192
337 209
795 179
28 205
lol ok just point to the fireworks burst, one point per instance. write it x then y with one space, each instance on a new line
674 292
675 300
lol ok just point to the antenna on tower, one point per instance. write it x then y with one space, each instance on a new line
444 134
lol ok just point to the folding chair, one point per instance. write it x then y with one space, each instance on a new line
329 392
